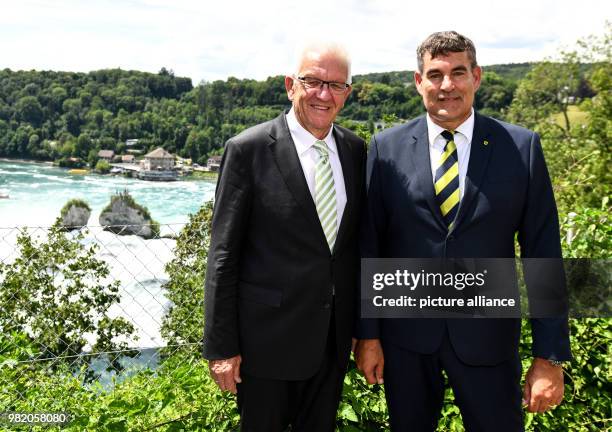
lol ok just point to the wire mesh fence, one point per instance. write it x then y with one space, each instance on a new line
90 317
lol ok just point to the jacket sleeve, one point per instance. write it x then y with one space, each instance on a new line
230 218
539 238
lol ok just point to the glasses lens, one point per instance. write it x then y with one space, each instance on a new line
315 83
337 87
310 82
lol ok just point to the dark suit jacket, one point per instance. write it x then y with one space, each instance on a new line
271 276
507 191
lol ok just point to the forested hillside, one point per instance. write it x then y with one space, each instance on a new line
50 115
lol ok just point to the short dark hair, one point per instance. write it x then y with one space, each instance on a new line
442 43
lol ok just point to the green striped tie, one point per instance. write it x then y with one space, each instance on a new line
446 181
325 193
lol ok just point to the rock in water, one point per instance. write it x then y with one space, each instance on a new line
75 215
124 216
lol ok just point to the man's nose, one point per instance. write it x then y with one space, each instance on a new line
447 83
323 92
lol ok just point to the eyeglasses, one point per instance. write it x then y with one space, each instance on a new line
316 83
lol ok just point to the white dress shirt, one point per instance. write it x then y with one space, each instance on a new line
463 140
304 145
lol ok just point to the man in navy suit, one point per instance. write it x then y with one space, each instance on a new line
428 198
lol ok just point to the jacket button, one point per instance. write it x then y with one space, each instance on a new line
451 238
326 306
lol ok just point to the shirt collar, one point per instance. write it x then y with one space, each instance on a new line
466 128
303 139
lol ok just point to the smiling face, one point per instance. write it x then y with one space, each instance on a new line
316 108
448 84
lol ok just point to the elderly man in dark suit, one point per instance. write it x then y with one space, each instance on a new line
283 261
456 184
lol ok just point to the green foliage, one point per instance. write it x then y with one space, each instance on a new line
578 155
184 321
588 392
495 94
102 166
179 396
56 291
588 232
56 115
546 89
70 162
362 407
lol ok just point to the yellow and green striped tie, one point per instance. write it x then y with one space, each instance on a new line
325 193
446 183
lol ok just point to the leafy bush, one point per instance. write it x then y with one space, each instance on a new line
56 291
179 396
184 321
588 232
102 166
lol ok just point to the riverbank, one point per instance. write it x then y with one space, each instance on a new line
48 163
195 175
205 175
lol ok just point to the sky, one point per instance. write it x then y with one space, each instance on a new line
210 40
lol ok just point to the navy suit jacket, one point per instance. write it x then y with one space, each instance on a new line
507 191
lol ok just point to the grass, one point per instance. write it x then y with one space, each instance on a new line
205 175
576 116
74 202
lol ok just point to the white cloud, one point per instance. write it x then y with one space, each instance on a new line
214 40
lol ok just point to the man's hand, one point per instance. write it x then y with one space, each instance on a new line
370 360
543 386
226 373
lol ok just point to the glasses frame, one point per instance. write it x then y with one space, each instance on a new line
302 80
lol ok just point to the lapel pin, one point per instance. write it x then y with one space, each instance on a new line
485 142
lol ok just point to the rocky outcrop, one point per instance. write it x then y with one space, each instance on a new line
75 215
124 216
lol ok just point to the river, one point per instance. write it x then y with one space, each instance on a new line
37 192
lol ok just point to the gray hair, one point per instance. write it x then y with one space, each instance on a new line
338 50
442 43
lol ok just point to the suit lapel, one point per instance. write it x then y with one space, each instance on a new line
288 163
345 156
480 150
422 168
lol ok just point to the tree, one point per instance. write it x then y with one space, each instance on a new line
102 166
83 146
56 291
184 321
578 155
550 87
28 109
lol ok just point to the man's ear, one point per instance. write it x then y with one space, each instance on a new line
289 81
348 93
418 79
477 73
